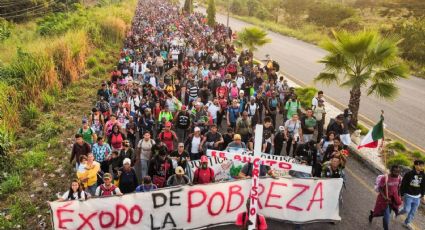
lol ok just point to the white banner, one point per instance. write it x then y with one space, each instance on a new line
281 164
191 207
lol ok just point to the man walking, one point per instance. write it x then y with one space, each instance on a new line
413 190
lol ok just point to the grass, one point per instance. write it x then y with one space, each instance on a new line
11 184
29 114
48 101
32 159
56 62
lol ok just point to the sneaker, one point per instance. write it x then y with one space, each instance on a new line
370 216
408 226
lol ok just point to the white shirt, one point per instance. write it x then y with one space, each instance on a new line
133 102
74 195
213 109
252 109
315 101
239 81
196 141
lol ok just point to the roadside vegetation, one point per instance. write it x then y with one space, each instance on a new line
314 21
50 68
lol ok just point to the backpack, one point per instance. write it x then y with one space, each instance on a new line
379 178
107 192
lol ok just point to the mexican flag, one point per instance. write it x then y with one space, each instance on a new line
373 136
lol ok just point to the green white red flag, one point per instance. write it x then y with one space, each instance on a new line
372 138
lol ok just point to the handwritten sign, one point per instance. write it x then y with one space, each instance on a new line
190 207
269 161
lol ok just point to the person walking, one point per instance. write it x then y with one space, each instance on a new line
412 189
388 198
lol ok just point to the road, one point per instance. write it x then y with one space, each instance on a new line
299 59
404 116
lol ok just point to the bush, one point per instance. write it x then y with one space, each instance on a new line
418 155
351 24
6 144
413 35
396 146
49 129
4 29
363 129
305 95
32 159
329 15
113 29
11 184
29 114
398 159
91 62
48 101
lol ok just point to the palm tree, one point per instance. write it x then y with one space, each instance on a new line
188 6
363 60
211 13
251 38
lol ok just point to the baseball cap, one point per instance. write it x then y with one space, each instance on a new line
241 91
197 129
281 128
84 121
107 176
237 137
204 159
179 170
167 124
183 107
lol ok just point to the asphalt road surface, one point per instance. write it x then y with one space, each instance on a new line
404 116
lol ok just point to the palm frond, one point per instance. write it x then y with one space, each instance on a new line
356 81
384 90
391 73
327 78
334 62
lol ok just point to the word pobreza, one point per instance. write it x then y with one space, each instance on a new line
191 207
274 164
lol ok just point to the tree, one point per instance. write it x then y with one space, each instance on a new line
188 6
363 60
252 37
329 14
211 13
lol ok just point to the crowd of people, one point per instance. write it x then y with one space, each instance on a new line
176 82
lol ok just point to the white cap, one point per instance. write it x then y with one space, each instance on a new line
126 161
197 129
241 91
281 128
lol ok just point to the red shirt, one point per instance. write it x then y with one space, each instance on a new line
203 176
261 221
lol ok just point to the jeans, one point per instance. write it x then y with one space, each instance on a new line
386 219
410 207
92 189
144 166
